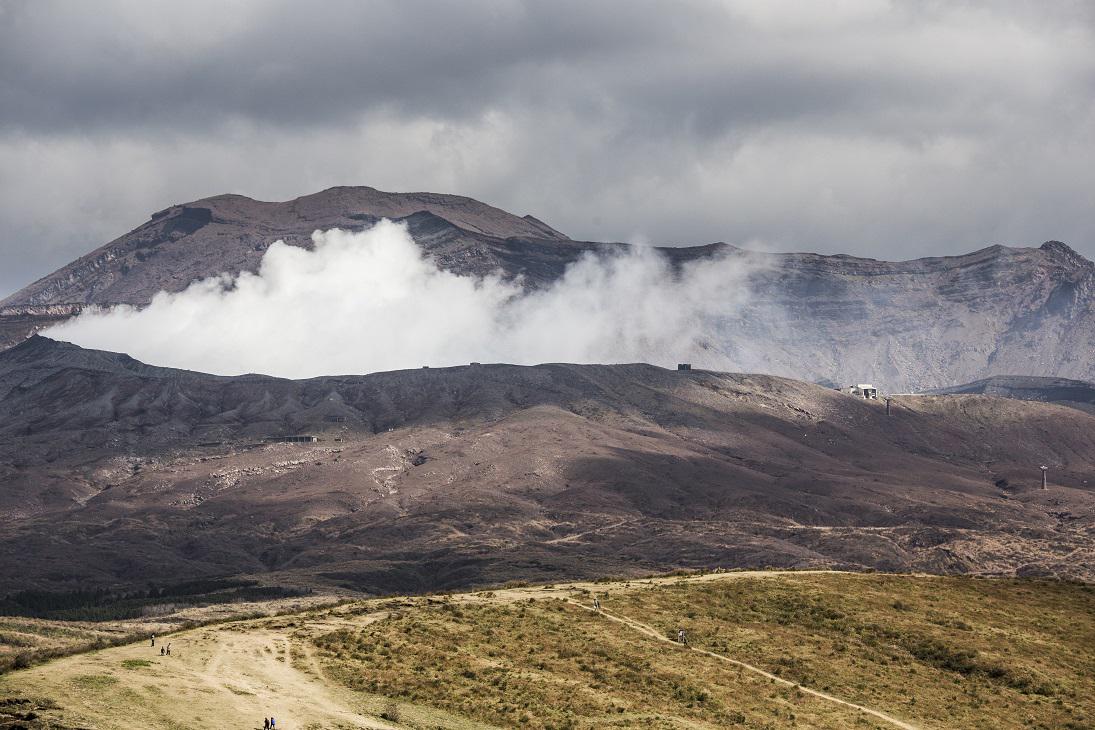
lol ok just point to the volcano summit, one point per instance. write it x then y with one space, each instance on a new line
905 326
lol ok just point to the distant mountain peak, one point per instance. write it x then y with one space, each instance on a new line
1065 253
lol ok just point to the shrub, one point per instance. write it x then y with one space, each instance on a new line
391 712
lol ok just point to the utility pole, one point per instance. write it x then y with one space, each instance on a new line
1044 470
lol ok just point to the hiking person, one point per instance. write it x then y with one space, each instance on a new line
596 604
265 723
161 651
272 722
153 640
169 649
681 638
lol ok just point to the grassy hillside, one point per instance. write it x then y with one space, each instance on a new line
948 652
945 652
551 664
767 650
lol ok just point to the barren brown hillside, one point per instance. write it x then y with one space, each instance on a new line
118 473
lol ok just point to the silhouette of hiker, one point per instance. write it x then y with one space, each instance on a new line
596 604
265 723
169 648
153 640
161 651
681 638
272 722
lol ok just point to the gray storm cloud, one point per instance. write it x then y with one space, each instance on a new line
371 301
882 128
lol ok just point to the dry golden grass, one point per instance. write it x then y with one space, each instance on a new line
925 652
27 641
551 664
935 652
945 651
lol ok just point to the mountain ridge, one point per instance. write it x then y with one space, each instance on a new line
906 326
116 473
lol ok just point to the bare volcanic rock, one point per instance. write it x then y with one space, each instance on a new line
114 473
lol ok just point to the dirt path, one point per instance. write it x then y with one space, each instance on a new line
260 663
228 676
577 537
653 633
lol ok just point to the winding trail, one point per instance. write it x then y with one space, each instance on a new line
653 633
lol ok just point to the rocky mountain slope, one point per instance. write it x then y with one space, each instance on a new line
231 232
932 322
905 326
119 473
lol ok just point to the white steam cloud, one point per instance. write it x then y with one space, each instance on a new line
371 301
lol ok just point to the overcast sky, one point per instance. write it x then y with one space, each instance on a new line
885 129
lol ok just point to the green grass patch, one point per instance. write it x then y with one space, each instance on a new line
94 681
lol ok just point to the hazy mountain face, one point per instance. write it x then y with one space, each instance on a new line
904 326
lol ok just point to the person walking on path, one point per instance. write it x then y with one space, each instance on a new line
681 637
153 640
273 722
266 723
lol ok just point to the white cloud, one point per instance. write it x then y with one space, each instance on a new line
370 301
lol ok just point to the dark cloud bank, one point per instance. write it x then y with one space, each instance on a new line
885 129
